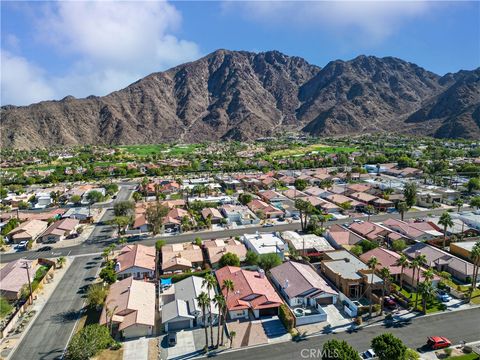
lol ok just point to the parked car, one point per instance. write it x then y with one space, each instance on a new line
438 342
369 354
281 219
267 225
172 339
295 217
443 296
45 248
73 236
22 245
389 303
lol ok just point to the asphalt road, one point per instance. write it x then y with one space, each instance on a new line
50 332
456 326
101 236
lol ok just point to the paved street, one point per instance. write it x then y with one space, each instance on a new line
51 330
457 326
101 235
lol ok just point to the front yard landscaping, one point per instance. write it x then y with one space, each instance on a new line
433 305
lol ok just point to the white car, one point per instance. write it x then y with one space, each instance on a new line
22 245
369 354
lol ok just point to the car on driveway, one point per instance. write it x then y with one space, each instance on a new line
172 339
296 217
443 296
438 342
22 245
267 225
369 354
389 303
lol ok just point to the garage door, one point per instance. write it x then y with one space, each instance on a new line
325 300
269 312
178 325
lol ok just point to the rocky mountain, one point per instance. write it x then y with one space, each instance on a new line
243 95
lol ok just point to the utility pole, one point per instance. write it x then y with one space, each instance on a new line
27 267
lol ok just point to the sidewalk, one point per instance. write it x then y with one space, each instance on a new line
8 343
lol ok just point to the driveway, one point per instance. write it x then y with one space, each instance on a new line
189 342
135 349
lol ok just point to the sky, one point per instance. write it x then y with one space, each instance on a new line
53 49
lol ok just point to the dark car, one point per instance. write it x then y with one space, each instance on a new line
389 303
72 236
45 248
172 339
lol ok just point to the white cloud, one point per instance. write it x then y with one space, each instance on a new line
373 20
112 43
22 82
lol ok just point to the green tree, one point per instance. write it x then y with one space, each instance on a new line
229 259
61 261
204 302
111 189
446 221
229 287
88 342
121 222
219 300
356 250
198 241
419 261
300 184
124 208
339 350
269 261
155 214
11 224
76 199
410 193
458 203
96 295
388 347
251 258
245 198
5 307
95 196
475 202
475 257
399 245
403 263
473 185
159 244
369 209
107 274
210 282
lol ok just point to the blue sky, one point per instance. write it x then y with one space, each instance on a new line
53 49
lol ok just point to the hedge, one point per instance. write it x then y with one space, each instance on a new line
286 317
179 277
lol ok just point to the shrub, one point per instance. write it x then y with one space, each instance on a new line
229 259
388 347
286 317
88 342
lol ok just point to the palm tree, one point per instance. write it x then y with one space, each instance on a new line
403 263
386 276
232 335
372 265
427 291
446 221
61 261
210 282
369 209
229 287
428 275
220 302
458 203
475 256
420 260
402 207
204 301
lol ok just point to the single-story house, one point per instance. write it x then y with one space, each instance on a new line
13 276
212 213
138 261
29 230
59 230
181 257
307 244
133 305
264 243
215 249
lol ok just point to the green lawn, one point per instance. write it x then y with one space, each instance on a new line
150 149
432 306
471 356
302 150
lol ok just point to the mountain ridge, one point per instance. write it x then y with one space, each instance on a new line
243 95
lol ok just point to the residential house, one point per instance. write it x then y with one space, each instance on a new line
13 277
339 200
370 230
388 259
350 275
133 305
253 293
420 231
442 261
83 214
462 249
215 249
239 214
181 257
339 237
59 230
294 194
261 207
138 261
180 308
306 244
213 214
29 230
265 243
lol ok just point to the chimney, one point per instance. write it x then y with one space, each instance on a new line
261 273
286 284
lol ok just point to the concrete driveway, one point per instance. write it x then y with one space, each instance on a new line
135 349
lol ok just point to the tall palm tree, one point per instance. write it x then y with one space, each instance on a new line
446 221
475 256
386 276
372 265
420 260
210 282
229 287
458 203
402 207
427 291
232 336
428 275
204 301
220 302
403 263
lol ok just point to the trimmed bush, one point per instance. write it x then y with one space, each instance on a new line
286 317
